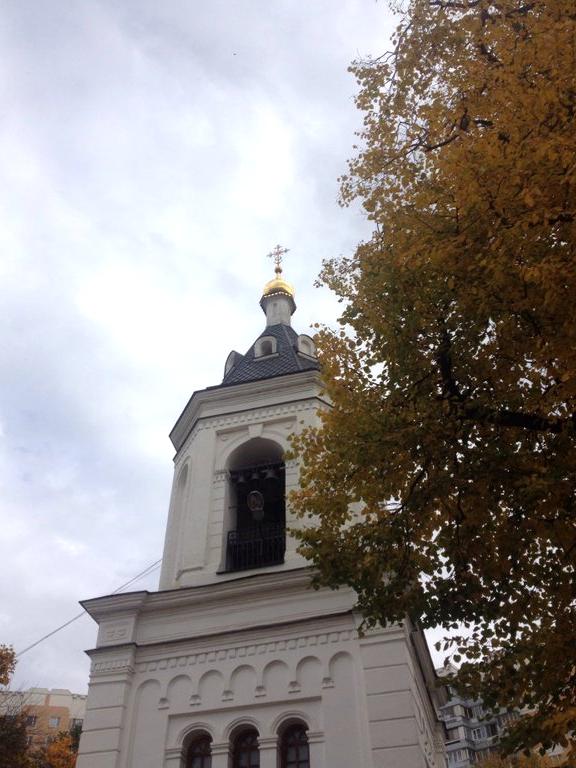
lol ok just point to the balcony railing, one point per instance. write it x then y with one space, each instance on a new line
256 547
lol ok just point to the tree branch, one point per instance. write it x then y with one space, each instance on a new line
507 418
483 414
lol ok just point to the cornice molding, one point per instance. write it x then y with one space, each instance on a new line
272 414
244 588
126 603
256 587
295 386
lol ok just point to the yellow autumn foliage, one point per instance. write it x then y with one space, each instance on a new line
454 385
59 753
517 761
7 663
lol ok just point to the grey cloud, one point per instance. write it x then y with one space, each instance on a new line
151 155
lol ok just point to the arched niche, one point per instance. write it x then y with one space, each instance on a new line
256 535
180 489
181 483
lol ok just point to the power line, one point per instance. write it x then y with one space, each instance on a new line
140 575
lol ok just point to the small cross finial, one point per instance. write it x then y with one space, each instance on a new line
276 254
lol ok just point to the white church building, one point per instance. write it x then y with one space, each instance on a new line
236 662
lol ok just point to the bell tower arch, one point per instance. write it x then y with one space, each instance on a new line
234 517
256 530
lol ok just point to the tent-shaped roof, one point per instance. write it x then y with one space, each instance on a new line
287 359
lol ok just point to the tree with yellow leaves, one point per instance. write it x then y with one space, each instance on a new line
516 761
7 663
442 484
13 743
59 753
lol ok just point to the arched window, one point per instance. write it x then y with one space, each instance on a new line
199 753
264 346
306 345
232 360
294 751
245 753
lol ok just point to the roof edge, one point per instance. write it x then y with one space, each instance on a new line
230 392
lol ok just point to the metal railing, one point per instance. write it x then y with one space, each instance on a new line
256 547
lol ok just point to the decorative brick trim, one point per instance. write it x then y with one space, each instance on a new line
248 417
245 651
111 666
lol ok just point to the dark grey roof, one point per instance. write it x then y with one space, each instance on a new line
286 360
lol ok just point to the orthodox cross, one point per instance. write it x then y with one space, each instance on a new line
276 254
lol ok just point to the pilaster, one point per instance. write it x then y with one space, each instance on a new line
316 748
173 758
110 682
268 752
221 755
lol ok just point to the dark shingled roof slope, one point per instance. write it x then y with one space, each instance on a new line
285 361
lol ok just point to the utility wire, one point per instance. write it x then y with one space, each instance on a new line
140 575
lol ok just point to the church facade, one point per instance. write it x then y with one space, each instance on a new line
236 662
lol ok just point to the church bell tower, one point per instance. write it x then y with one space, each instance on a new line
228 509
236 662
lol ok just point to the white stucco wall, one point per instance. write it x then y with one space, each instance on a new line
213 650
215 425
189 661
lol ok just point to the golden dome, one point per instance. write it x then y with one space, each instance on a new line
278 285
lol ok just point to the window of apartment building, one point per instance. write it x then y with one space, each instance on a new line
482 754
478 710
76 722
452 734
461 711
458 756
53 722
31 721
484 731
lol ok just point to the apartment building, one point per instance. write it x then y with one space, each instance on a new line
48 711
471 733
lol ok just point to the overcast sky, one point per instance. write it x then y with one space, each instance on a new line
152 152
